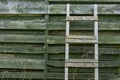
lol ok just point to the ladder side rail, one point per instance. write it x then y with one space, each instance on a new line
96 29
96 45
67 44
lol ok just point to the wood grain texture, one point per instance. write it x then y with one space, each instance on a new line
21 48
53 69
27 34
76 49
23 23
103 39
84 9
22 7
22 75
101 63
81 76
29 75
15 38
22 63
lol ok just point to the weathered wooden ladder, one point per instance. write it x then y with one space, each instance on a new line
87 63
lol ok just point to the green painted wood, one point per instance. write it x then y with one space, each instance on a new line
53 69
79 49
22 32
23 23
34 43
83 76
21 48
101 63
46 56
22 75
75 26
84 9
102 19
24 6
60 56
29 25
31 7
21 55
22 63
29 75
16 38
56 40
104 38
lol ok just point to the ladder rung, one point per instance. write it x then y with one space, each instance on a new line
71 18
87 64
81 63
81 41
81 37
81 60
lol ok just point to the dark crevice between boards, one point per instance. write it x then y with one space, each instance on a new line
22 15
22 31
81 2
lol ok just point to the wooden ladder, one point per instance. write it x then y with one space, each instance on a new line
87 63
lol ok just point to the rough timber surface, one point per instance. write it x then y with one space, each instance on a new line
32 39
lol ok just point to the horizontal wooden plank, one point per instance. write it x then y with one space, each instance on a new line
103 38
109 63
21 48
22 63
52 39
102 57
88 26
58 49
83 1
82 76
36 7
6 56
22 75
23 25
16 38
17 6
105 23
37 75
76 18
21 56
22 32
101 63
83 70
84 9
27 23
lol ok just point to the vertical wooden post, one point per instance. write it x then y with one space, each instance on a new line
46 44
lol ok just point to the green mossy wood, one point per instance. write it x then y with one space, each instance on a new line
32 39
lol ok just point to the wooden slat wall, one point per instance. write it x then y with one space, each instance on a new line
109 18
22 39
32 39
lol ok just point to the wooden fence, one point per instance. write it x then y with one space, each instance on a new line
32 39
